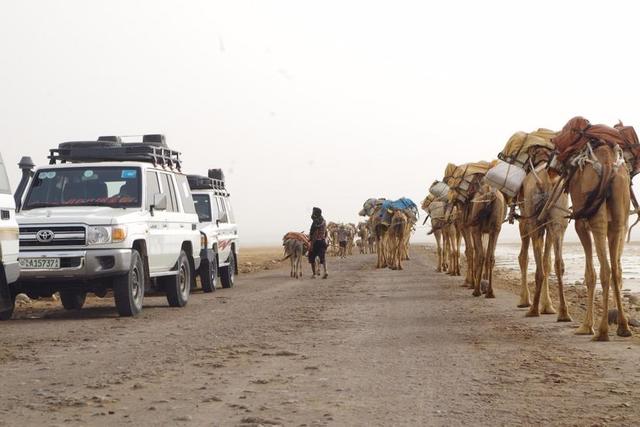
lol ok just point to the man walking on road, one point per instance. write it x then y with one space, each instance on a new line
318 237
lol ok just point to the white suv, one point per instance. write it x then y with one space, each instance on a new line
8 245
218 228
109 215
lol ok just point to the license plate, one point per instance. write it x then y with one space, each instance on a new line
39 263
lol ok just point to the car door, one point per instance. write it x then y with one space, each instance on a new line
157 225
174 225
224 230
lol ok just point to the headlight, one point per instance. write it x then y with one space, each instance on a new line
98 235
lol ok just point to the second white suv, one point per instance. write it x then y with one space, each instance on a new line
109 215
218 228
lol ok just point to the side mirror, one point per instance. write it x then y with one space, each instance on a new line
159 203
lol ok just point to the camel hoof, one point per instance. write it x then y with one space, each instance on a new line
489 295
476 293
438 270
584 330
564 318
524 305
532 313
548 310
600 337
623 332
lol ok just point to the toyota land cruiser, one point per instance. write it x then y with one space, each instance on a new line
8 245
109 215
219 231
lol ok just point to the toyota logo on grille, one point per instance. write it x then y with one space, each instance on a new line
45 236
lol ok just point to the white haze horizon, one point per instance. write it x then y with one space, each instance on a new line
308 104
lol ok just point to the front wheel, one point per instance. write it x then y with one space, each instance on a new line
178 287
7 301
228 273
128 289
209 274
72 300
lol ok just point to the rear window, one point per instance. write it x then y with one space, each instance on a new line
4 179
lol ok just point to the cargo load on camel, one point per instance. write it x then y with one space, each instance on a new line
460 178
517 159
575 144
439 190
403 204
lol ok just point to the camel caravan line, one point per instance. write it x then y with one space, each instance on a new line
390 223
531 182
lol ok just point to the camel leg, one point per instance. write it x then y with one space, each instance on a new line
563 313
438 235
491 255
545 299
538 242
469 256
478 258
600 241
589 276
616 244
457 239
523 260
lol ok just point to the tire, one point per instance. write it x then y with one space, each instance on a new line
128 289
209 274
228 273
7 300
178 287
72 300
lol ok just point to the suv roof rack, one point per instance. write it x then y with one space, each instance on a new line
153 149
199 182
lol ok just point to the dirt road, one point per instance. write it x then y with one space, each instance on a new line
364 347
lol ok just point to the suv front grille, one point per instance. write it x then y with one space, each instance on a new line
42 237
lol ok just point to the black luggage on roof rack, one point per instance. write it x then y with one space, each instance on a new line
216 174
111 149
199 182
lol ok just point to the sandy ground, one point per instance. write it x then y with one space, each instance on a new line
364 347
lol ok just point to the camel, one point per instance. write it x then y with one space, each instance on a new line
293 250
546 234
436 210
397 236
371 208
363 233
487 213
599 185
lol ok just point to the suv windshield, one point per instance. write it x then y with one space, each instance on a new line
203 207
116 187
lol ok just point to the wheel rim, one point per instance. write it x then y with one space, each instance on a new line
136 292
232 268
183 279
213 268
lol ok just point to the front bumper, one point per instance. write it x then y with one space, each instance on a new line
79 265
11 271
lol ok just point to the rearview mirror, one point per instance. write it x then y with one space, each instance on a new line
159 202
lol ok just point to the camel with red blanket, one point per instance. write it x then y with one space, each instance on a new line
591 159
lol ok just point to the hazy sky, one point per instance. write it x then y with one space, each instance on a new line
312 103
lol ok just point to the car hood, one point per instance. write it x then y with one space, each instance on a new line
93 215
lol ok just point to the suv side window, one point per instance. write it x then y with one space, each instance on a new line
224 216
230 214
185 194
4 179
153 187
170 191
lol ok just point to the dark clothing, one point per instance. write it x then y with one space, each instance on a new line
318 229
343 243
318 249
